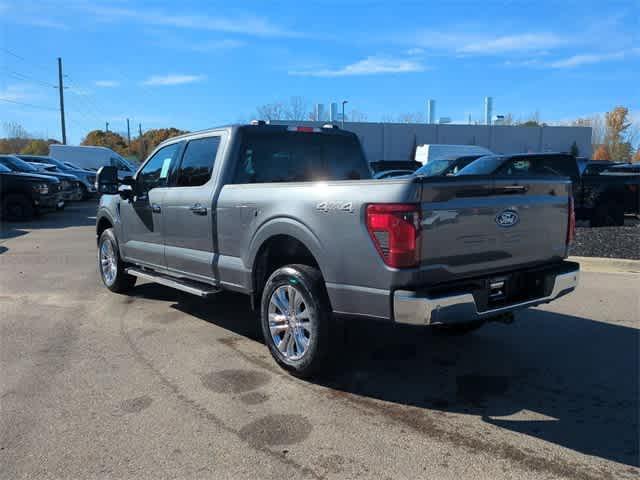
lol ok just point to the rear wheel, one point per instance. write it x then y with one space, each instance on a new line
609 214
111 267
84 192
295 319
17 207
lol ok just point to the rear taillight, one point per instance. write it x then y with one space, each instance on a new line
571 224
395 231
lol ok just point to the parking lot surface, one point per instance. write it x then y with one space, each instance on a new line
159 384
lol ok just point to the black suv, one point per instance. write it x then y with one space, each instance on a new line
23 195
68 183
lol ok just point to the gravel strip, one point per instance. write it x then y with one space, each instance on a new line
609 242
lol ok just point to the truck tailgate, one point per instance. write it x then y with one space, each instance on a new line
474 225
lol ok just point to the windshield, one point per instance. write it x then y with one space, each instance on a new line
482 166
72 166
433 168
52 161
14 163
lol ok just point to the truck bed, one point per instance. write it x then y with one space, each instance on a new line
460 237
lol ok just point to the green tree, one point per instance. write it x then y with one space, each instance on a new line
112 140
574 150
142 146
36 147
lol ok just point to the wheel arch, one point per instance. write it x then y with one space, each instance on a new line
282 242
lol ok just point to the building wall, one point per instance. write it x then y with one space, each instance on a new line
396 141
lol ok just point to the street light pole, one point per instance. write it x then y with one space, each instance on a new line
344 102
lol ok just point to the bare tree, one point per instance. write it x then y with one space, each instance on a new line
598 129
14 130
271 111
297 109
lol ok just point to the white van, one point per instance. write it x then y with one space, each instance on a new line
92 158
429 152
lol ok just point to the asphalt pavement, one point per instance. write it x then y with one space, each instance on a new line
160 384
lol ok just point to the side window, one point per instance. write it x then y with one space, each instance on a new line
197 162
516 168
534 166
155 173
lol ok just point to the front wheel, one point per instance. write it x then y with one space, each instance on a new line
111 268
295 317
16 207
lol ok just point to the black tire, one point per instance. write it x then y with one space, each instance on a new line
122 282
309 283
85 192
17 207
609 214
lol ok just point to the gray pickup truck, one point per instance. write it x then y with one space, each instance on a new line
291 217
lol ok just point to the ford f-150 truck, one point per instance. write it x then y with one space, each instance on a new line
291 217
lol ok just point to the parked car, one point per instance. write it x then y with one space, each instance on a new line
392 173
596 167
429 152
92 158
71 190
601 199
291 217
449 166
68 189
386 165
623 169
87 177
23 195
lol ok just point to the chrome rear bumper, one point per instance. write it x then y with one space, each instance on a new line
413 308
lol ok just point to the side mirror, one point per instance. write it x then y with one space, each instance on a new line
107 180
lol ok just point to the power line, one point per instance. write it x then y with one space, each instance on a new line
20 57
27 104
28 78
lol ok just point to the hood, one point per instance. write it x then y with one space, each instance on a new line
60 176
34 177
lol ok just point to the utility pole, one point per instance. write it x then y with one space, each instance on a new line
106 126
128 133
61 91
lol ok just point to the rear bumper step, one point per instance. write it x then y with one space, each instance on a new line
195 288
414 308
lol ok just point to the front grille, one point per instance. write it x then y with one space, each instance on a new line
65 185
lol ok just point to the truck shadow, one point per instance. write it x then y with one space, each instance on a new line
560 378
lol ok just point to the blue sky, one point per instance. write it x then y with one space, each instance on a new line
193 65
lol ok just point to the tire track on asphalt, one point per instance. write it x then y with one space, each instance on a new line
203 412
416 420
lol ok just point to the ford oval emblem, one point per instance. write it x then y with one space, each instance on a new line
507 218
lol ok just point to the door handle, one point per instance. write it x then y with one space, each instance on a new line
155 208
198 209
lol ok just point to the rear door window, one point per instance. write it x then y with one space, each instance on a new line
197 162
267 157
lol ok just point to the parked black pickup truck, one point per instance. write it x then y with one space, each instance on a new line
24 194
601 199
